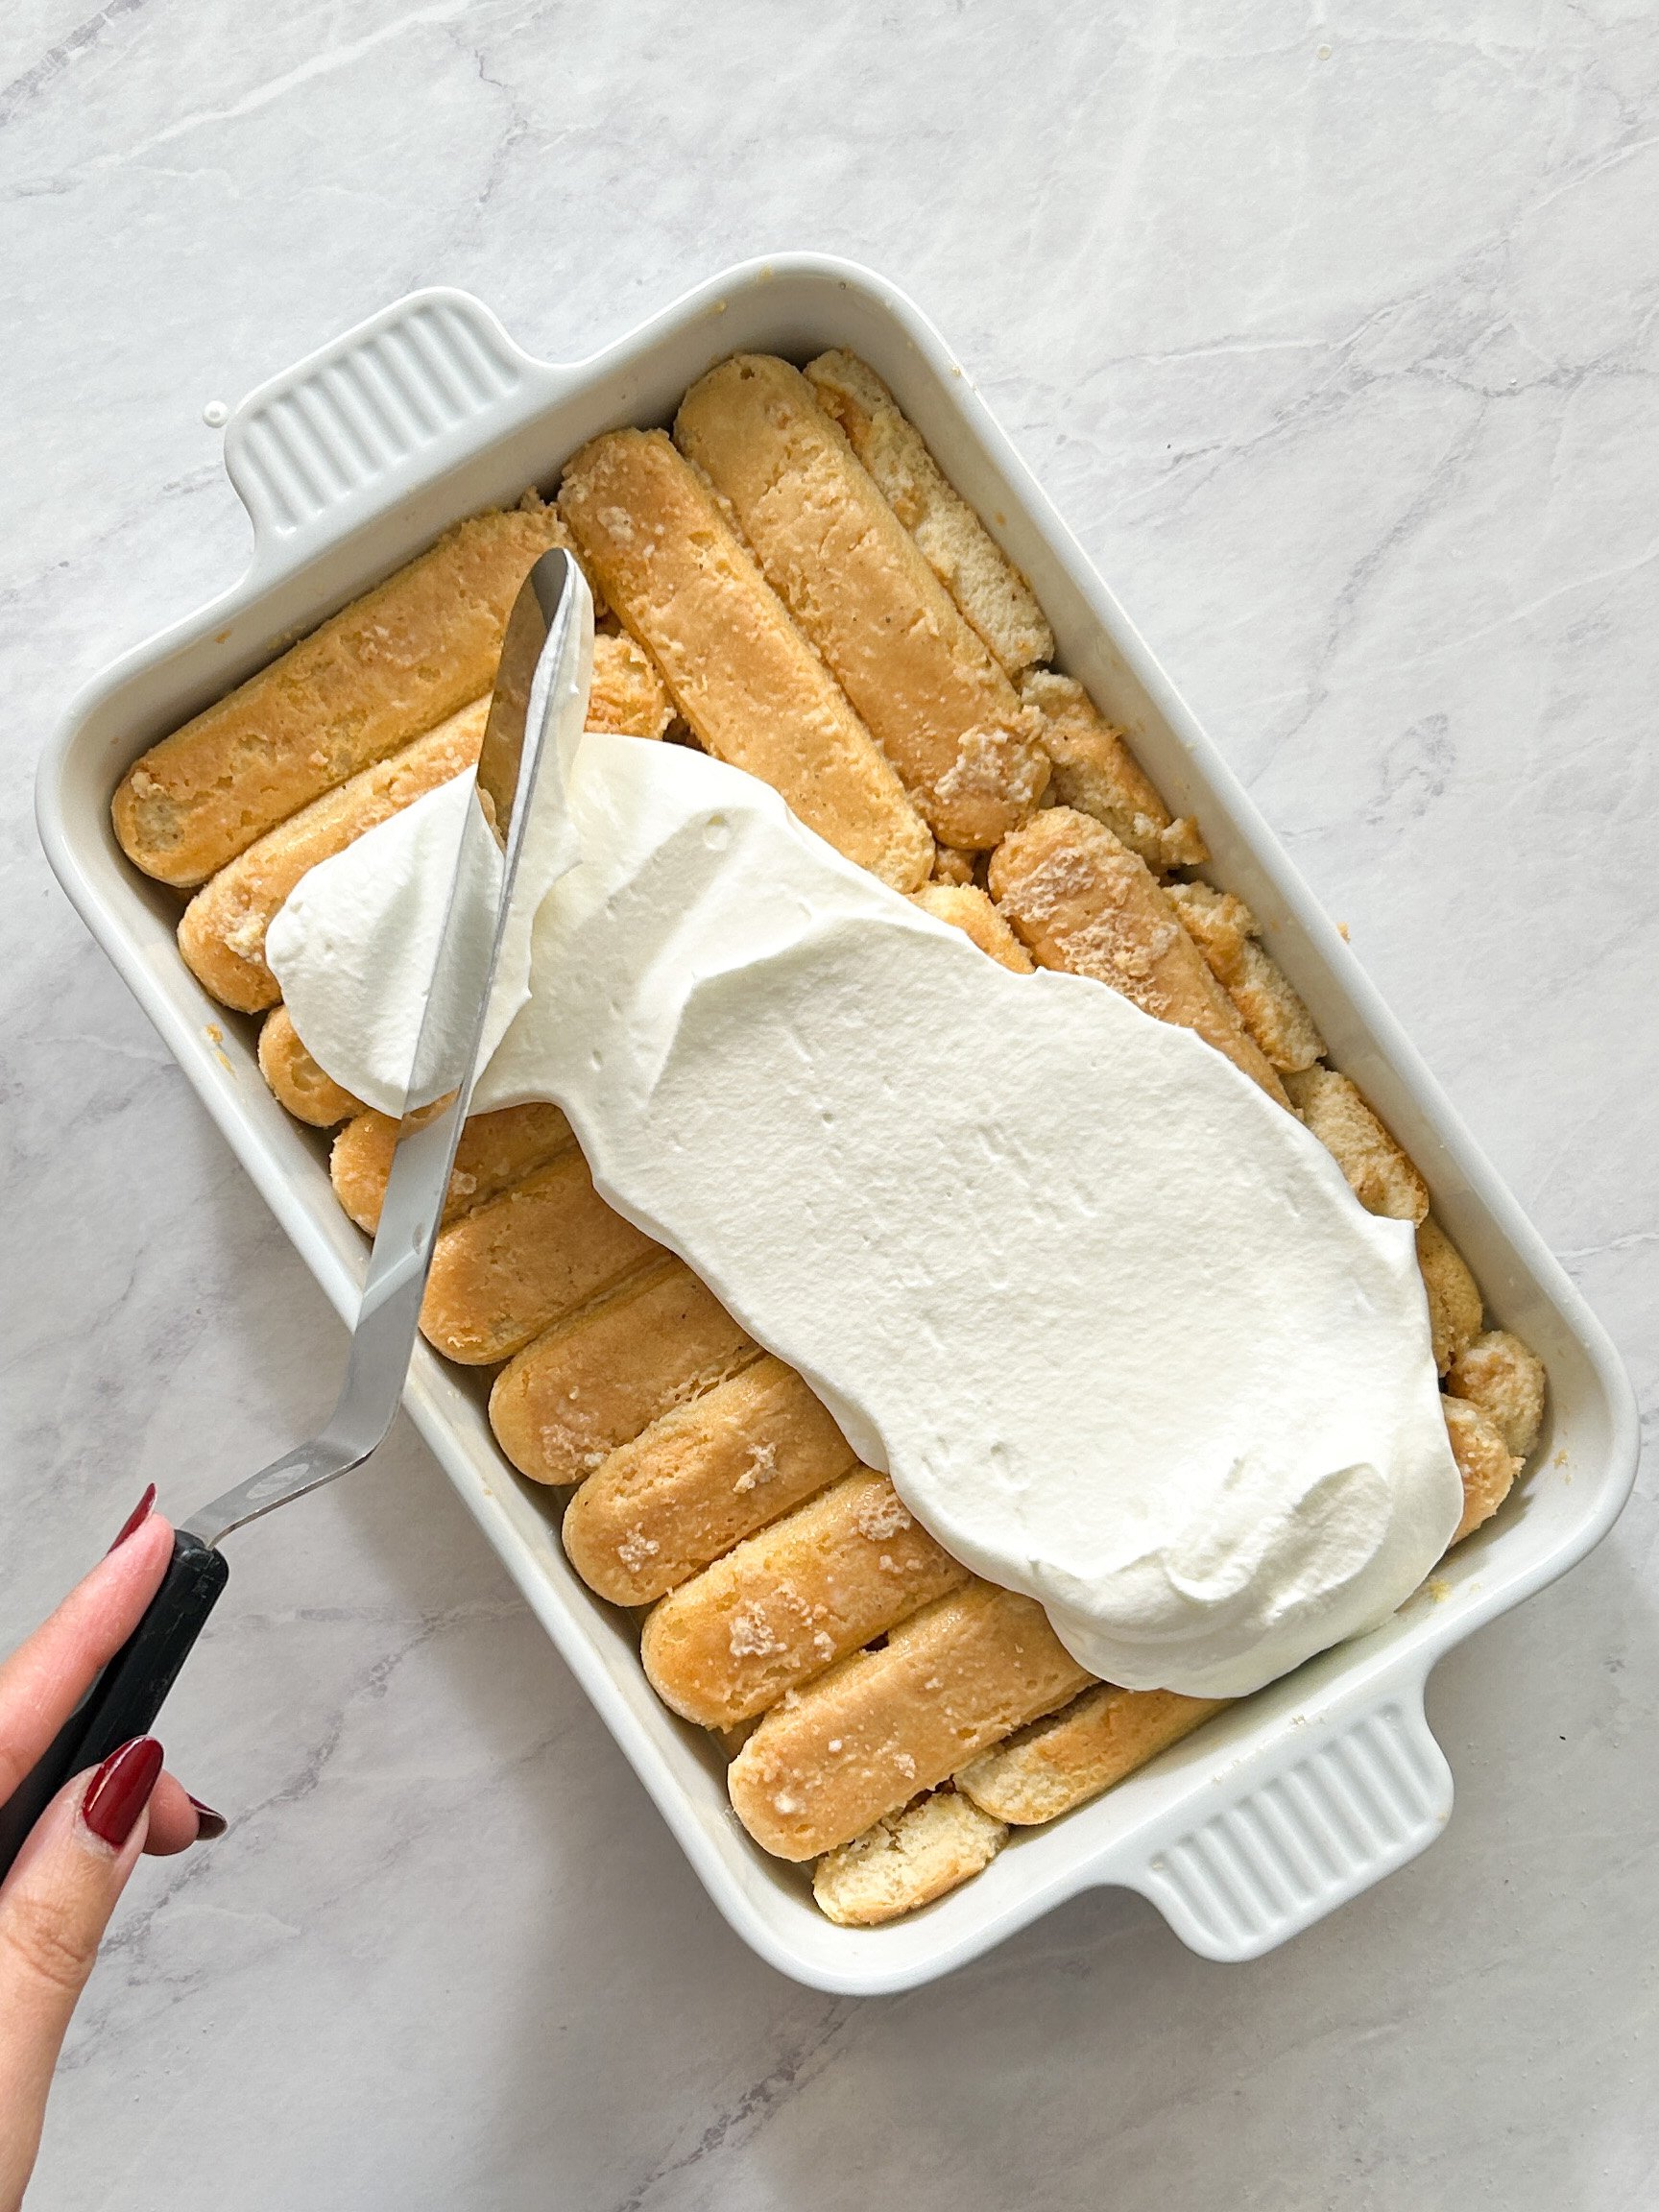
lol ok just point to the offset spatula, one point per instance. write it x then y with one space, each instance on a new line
546 668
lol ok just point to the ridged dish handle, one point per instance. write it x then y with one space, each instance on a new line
373 416
1331 1805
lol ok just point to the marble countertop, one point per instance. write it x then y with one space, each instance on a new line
1332 330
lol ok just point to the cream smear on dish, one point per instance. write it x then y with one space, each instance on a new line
1110 1319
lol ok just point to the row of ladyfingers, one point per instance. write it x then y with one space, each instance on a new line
798 582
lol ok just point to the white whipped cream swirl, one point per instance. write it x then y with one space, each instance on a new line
1110 1319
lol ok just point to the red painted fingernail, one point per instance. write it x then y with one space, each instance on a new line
120 1790
208 1823
134 1520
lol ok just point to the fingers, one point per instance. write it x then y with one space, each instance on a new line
54 1909
45 1678
177 1819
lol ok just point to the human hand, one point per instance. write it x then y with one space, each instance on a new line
57 1900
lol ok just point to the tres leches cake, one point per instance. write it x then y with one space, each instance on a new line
909 1213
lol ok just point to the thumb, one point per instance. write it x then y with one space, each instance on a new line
54 1909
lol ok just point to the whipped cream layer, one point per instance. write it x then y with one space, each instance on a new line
1110 1319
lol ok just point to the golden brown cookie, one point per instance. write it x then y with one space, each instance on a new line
295 1080
222 934
392 664
1095 773
495 1151
1378 1172
786 1604
699 1480
906 1861
966 908
1224 931
1453 1294
1498 1373
1487 1466
1079 900
1072 1755
751 688
512 1266
865 1736
933 698
592 1382
956 545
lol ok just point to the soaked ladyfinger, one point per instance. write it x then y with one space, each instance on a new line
1455 1310
628 694
699 1480
512 1266
952 865
1486 1464
393 663
934 699
954 542
1505 1380
295 1080
596 1381
906 1861
966 908
865 1738
1072 1755
1225 931
495 1151
1079 900
1379 1173
1095 772
222 933
786 1604
751 688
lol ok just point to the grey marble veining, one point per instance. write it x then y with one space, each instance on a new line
1330 329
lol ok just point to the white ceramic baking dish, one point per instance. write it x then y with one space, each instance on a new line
351 463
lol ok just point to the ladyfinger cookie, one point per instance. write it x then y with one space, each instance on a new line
955 544
495 1151
966 908
699 1480
1095 772
596 1381
1225 931
751 688
1500 1375
1378 1172
933 698
295 1080
788 1604
1079 900
1453 1294
863 1739
394 662
952 865
222 934
1070 1756
1486 1464
511 1267
628 694
906 1861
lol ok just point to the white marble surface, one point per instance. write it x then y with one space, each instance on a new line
1331 327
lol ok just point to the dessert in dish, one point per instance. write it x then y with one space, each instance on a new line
791 1583
1235 1453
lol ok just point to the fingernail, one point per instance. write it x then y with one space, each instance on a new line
120 1790
134 1520
208 1823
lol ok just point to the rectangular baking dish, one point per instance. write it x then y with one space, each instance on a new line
352 461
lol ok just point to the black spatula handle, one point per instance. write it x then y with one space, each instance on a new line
123 1702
